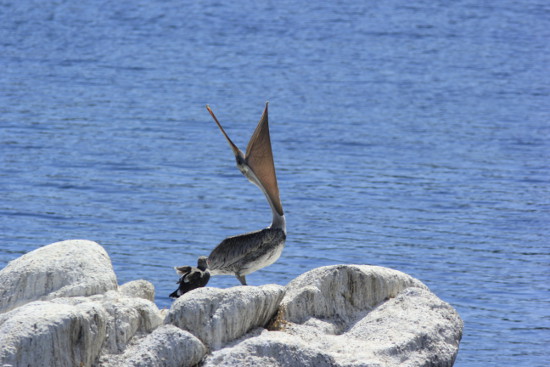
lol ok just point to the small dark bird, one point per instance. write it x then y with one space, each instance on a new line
191 277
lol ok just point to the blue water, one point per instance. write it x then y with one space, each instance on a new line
413 135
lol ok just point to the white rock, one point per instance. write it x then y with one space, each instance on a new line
270 348
413 329
339 292
167 346
43 333
416 328
343 315
353 316
217 316
126 317
62 269
138 288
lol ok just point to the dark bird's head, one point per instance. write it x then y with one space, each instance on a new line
202 263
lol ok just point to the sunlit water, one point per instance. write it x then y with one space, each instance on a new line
413 135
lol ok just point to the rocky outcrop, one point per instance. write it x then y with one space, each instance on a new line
62 269
138 288
339 292
167 346
415 328
270 348
351 315
44 333
127 317
218 316
70 311
342 315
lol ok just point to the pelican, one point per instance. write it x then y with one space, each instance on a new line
191 277
243 254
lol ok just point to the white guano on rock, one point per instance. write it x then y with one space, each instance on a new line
339 292
167 346
353 315
62 307
127 317
217 316
63 269
269 348
44 333
138 288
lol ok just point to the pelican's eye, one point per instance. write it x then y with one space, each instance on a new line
240 160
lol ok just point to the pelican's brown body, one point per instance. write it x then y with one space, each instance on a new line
244 254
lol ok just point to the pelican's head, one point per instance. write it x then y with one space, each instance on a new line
241 162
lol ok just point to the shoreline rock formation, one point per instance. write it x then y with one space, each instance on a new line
60 305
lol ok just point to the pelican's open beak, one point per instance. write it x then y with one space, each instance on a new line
233 147
258 160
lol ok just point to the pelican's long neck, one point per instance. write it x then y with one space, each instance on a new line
279 220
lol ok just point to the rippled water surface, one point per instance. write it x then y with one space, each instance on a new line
413 135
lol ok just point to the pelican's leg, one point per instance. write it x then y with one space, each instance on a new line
241 278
